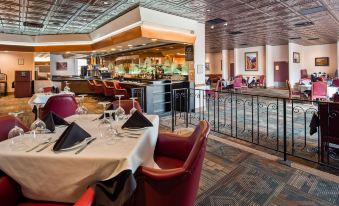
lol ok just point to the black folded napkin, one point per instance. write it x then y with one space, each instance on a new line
51 119
115 191
314 124
73 135
137 120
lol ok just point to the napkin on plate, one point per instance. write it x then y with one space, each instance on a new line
51 119
137 120
73 135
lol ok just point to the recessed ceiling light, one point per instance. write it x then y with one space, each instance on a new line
212 26
68 52
94 51
226 23
84 19
144 44
208 10
154 39
105 2
130 45
113 49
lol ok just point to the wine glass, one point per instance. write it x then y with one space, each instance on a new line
120 112
105 126
67 88
38 126
15 131
133 109
81 109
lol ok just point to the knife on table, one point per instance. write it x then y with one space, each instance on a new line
82 148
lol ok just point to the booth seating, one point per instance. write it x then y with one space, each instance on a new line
7 122
98 87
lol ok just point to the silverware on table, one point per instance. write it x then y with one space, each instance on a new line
83 147
47 145
38 145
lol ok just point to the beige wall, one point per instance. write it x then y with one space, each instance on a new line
215 63
9 64
312 52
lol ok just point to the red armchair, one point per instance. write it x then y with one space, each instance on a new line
63 105
336 97
292 93
91 85
118 90
108 88
7 123
98 86
10 195
127 105
336 82
180 160
261 81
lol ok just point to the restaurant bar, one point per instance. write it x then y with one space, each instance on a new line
169 103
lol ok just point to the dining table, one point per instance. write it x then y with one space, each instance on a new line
331 90
63 176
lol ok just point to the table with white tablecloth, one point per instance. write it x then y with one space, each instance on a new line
64 176
42 98
330 89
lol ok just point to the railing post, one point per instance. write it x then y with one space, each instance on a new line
285 131
173 102
187 105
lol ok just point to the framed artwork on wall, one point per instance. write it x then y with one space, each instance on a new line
296 57
251 61
61 66
21 61
322 61
207 66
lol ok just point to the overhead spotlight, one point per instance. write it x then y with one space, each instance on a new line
113 49
105 2
212 26
154 39
130 45
208 10
144 44
226 23
68 52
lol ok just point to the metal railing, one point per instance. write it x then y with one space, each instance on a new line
275 123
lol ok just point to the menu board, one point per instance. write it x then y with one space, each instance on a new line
189 53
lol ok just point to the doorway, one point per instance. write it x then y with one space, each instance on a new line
231 74
281 74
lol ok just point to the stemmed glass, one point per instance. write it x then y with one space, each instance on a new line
120 112
133 109
15 131
81 109
67 88
38 126
104 124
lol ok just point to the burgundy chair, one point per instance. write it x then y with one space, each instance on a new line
91 85
237 84
319 90
303 74
98 86
10 195
118 90
261 81
127 105
336 97
291 92
63 105
336 82
329 121
7 123
108 88
47 89
180 159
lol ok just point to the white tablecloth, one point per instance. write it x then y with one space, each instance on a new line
42 98
64 176
330 90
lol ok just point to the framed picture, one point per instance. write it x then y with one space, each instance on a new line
251 61
296 57
322 61
207 66
61 66
21 61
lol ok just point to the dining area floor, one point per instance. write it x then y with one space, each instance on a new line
233 173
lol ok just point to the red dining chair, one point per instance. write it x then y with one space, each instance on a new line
10 195
336 97
108 88
180 159
91 85
98 86
47 89
63 105
335 82
303 74
127 105
7 122
261 81
329 121
118 90
237 84
319 90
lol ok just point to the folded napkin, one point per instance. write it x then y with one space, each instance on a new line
51 119
115 191
137 120
73 135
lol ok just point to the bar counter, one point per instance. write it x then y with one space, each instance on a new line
155 96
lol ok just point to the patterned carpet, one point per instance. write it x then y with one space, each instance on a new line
232 176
